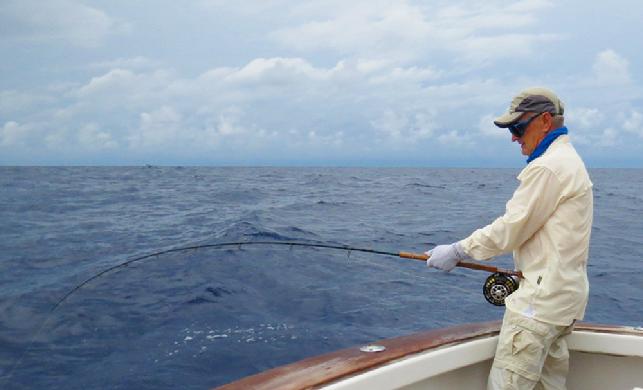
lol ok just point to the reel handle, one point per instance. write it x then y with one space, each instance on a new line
464 264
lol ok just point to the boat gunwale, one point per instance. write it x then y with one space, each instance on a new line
324 369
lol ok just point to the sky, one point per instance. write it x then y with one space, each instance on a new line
312 83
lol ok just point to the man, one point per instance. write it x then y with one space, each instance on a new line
547 226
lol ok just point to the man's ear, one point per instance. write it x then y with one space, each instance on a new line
548 121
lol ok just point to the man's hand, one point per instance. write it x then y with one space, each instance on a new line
446 257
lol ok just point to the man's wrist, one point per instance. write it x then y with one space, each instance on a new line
460 252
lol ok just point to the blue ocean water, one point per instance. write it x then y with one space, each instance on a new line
203 317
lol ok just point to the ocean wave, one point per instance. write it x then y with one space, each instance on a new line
424 185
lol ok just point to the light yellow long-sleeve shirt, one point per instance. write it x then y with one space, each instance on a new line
547 225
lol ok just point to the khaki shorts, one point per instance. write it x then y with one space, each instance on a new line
530 354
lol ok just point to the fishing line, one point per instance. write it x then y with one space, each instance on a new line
498 273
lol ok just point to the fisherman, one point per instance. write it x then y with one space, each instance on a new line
547 225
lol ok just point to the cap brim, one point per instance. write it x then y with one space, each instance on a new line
507 119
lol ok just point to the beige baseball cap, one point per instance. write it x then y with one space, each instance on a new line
535 99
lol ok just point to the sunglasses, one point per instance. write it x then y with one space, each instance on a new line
518 129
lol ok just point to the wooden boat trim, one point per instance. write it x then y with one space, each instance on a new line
324 369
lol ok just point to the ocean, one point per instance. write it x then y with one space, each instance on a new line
201 317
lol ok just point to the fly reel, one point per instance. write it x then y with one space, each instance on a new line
499 286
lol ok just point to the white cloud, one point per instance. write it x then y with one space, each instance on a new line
346 104
138 62
487 129
115 78
282 105
53 138
405 127
361 27
454 138
424 124
14 101
126 89
276 71
126 82
13 134
608 138
634 123
68 21
611 68
391 124
248 7
316 141
368 66
501 46
592 126
587 125
407 30
158 129
584 118
410 74
228 123
91 138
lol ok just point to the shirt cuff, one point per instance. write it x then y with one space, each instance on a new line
459 249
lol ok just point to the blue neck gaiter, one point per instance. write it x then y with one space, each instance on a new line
544 144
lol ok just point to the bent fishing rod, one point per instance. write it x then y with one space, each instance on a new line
498 272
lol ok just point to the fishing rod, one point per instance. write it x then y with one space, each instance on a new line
501 283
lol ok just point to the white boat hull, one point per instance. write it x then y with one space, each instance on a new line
597 361
601 357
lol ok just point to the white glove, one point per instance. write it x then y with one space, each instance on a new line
446 257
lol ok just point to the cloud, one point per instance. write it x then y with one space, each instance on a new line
591 126
584 117
362 28
248 7
407 30
501 46
454 138
608 138
114 79
230 124
487 128
634 123
126 89
585 123
391 124
611 68
335 139
138 62
158 129
14 134
121 80
91 138
276 71
66 21
405 127
279 106
14 102
412 74
263 102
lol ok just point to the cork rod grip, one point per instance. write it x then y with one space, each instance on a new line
414 256
464 264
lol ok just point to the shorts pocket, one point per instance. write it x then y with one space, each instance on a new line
525 341
527 353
